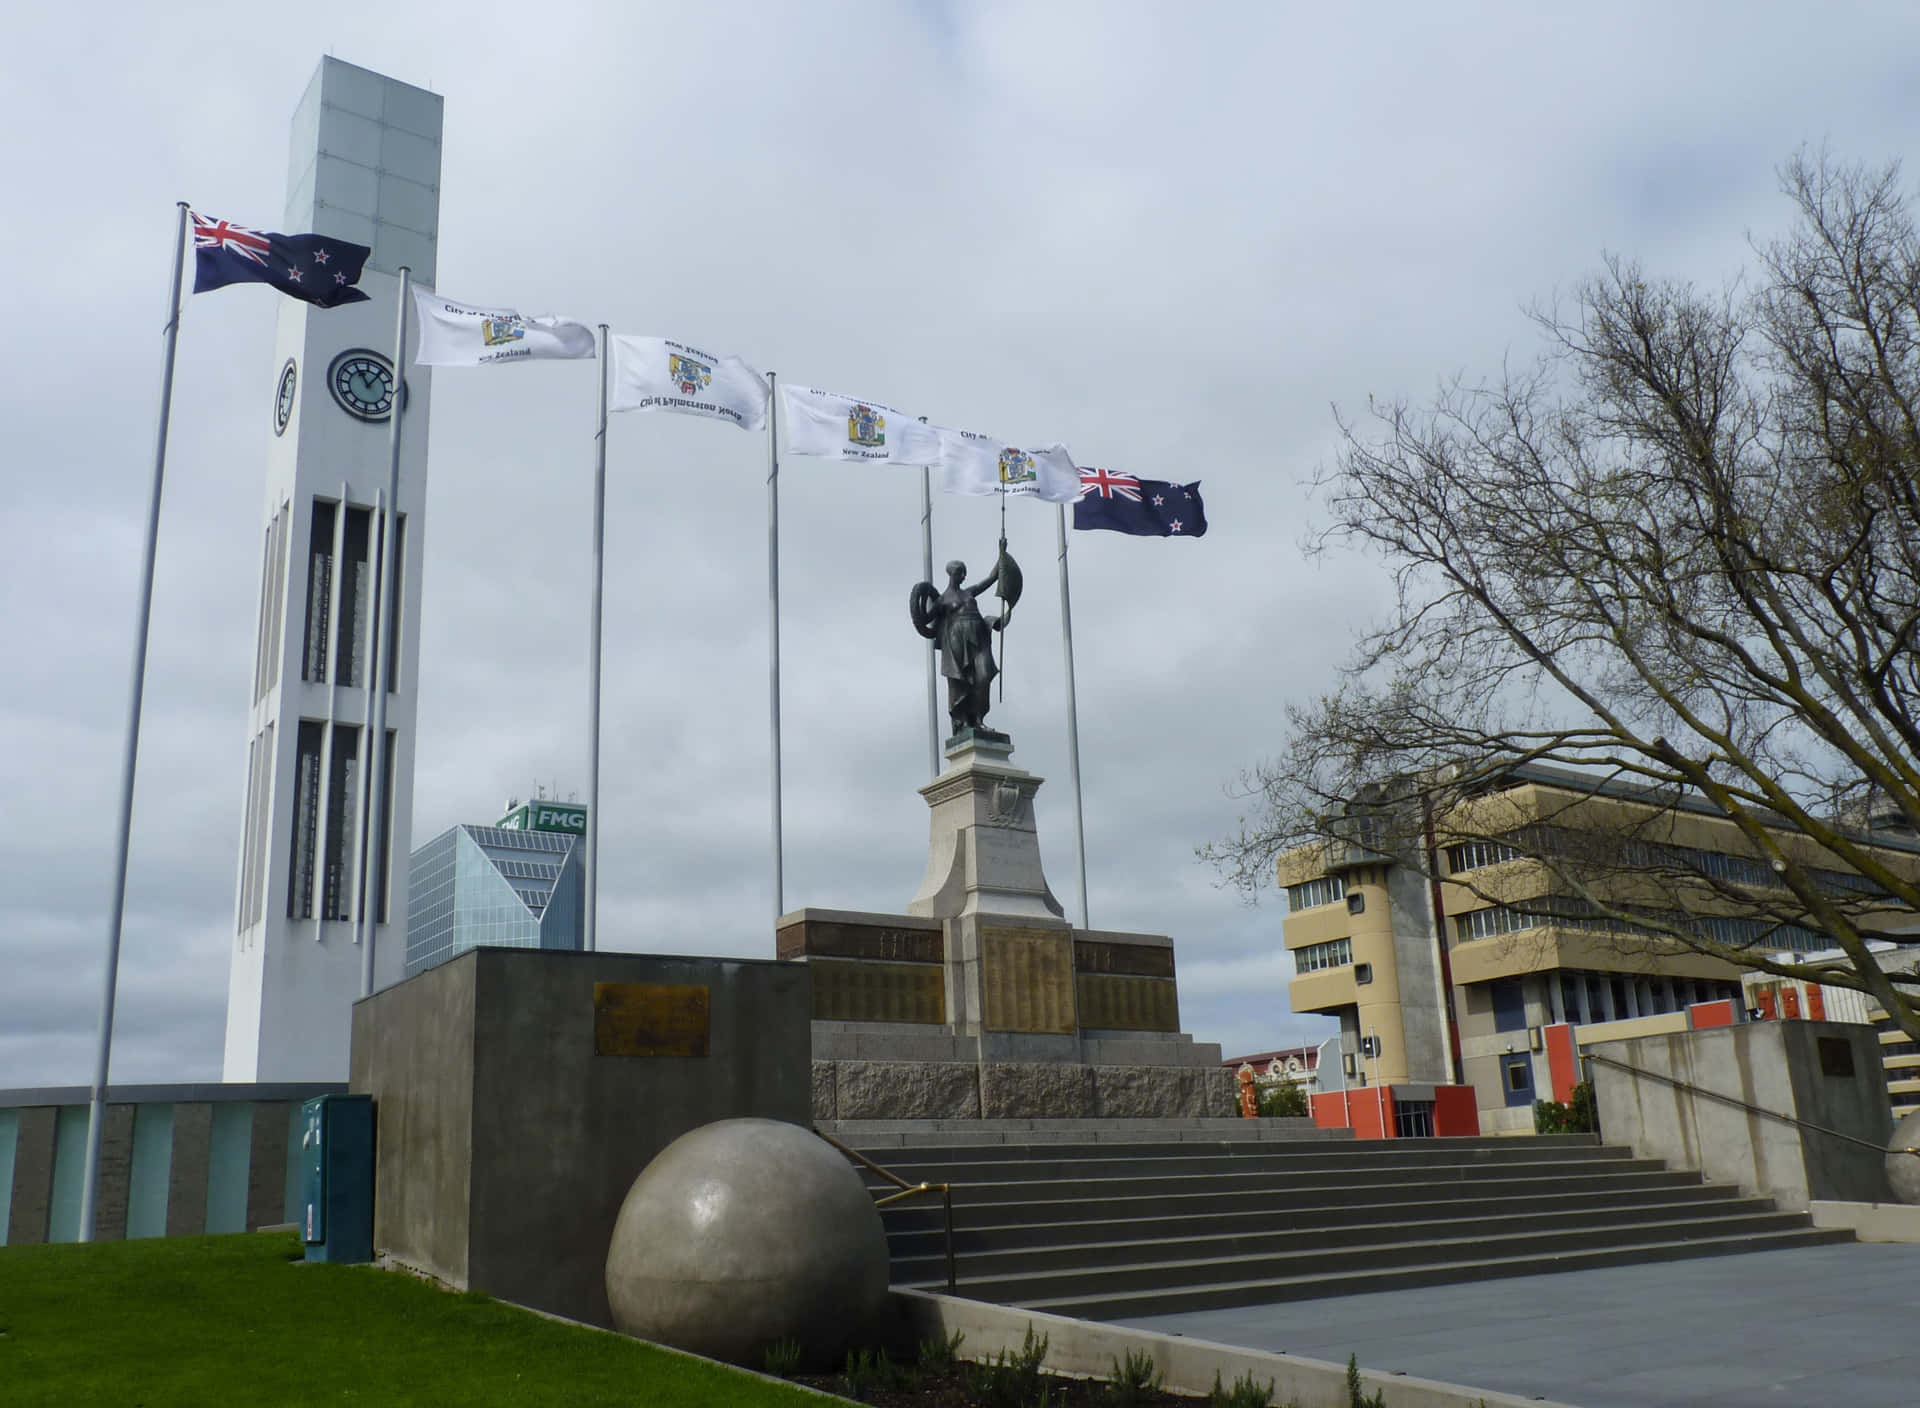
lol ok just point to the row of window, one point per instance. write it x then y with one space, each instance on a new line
1314 957
1472 855
1315 893
1733 931
1709 865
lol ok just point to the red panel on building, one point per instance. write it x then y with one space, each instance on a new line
1816 1003
1710 1014
1763 998
1789 1001
1562 1065
1455 1110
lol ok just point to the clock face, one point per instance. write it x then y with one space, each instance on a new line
362 382
283 398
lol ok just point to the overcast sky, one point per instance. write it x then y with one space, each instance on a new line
1173 237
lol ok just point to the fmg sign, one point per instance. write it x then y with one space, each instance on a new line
567 818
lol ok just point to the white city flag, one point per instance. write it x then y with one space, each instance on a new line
1044 473
848 428
969 462
456 334
659 374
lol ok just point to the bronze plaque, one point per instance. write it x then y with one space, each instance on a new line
1128 1004
1144 960
649 1019
1026 980
832 938
845 990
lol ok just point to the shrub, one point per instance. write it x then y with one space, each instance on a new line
939 1354
1286 1099
1010 1380
1357 1399
1245 1393
1574 1117
1133 1380
782 1358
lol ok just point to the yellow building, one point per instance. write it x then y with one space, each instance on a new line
1448 976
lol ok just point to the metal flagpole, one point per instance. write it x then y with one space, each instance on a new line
933 647
588 937
97 1096
375 752
773 629
1073 720
363 813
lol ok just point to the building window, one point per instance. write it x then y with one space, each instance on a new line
1315 957
1356 903
356 582
1363 972
1473 855
1413 1119
313 657
1495 919
306 820
390 647
1315 893
273 567
343 830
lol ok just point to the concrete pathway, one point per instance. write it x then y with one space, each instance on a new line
1806 1328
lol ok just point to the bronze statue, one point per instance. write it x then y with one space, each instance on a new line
952 618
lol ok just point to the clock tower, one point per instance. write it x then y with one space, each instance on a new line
365 167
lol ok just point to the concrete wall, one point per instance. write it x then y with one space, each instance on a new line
506 1143
1774 1066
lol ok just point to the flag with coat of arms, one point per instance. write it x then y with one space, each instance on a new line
455 334
659 374
833 426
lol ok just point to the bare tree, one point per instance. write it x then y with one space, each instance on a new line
1680 553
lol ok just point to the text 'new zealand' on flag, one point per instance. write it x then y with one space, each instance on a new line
1148 508
316 269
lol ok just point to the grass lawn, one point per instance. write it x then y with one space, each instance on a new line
215 1320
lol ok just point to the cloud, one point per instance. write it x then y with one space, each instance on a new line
1172 242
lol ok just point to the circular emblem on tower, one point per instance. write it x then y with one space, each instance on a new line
283 397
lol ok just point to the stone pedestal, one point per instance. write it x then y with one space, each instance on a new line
982 1001
984 853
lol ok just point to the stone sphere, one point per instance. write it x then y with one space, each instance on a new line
1903 1169
744 1233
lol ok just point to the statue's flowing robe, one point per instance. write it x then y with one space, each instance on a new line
966 641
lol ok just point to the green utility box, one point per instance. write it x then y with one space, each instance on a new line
336 1177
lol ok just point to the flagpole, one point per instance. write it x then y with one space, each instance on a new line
116 905
1073 719
933 647
363 814
376 751
589 935
773 629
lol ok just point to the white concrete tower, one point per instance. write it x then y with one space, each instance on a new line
365 167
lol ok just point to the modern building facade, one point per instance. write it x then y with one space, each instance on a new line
1457 974
519 884
365 167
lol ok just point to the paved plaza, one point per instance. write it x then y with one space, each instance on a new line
1805 1328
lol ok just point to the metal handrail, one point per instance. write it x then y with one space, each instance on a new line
907 1190
1740 1104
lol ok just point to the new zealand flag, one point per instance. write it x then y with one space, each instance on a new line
1148 508
316 269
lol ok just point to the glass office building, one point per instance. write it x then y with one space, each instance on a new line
489 885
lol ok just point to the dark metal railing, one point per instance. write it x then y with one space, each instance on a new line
1740 1104
907 1190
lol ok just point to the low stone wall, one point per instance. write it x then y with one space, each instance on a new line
1089 1349
894 1090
